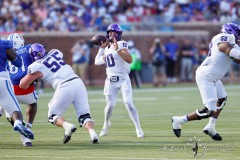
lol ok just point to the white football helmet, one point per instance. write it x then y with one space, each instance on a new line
17 40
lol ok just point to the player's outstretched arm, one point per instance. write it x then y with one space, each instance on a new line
29 79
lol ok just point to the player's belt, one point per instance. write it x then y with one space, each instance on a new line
70 80
114 79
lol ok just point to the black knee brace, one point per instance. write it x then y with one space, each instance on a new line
221 103
82 118
204 113
52 119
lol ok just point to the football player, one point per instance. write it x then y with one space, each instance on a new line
8 100
69 88
24 96
222 50
117 60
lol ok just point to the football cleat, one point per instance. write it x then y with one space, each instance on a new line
68 133
210 130
140 133
105 129
23 131
176 125
93 136
26 142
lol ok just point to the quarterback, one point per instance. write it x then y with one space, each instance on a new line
117 60
223 49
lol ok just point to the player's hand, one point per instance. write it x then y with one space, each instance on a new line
104 44
34 82
115 44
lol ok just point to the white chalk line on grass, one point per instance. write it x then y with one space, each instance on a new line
89 157
144 90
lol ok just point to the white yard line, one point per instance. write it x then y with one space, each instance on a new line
89 157
145 90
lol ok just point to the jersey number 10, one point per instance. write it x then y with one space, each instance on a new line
109 61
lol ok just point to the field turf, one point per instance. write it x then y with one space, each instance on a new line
155 107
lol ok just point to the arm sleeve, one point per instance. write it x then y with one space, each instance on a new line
6 44
99 57
235 52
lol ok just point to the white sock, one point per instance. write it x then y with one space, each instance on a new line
212 120
91 131
133 113
66 124
17 121
108 113
184 118
29 125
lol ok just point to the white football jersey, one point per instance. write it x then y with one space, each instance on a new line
115 65
216 65
55 71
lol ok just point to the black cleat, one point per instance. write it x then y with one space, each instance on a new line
67 137
176 126
215 137
177 132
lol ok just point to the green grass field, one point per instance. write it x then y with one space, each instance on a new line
155 107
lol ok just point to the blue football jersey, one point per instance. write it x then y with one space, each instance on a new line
4 44
17 73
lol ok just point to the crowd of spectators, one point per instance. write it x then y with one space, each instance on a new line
91 15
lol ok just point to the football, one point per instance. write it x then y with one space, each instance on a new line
97 39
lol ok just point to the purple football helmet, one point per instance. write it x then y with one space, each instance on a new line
115 28
231 28
37 51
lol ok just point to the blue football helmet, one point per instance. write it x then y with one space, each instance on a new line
115 28
231 28
37 51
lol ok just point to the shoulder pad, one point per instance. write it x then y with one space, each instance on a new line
122 45
224 37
